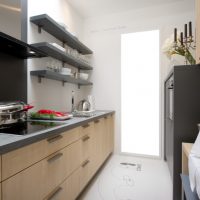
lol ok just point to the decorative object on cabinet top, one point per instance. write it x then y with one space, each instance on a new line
15 47
181 44
56 53
51 26
59 77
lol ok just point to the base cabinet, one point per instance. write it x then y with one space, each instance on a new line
68 190
63 174
44 176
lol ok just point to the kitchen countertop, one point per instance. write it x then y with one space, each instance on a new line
9 142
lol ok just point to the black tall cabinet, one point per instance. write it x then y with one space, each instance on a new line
182 114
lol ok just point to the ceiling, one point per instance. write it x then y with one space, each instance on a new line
92 8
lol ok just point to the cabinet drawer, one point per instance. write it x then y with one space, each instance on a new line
85 147
68 190
38 180
85 173
60 165
87 129
15 161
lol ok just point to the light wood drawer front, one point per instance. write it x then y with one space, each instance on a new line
15 161
68 190
22 158
38 180
27 185
87 129
58 142
85 147
85 173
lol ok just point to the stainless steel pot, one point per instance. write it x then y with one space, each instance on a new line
84 105
11 112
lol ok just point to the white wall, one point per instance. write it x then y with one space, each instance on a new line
51 94
103 34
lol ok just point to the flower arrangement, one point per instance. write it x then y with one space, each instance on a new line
175 45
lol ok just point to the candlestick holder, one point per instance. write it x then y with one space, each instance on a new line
183 47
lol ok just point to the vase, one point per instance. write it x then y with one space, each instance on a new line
189 58
177 59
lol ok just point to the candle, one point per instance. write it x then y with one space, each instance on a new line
190 29
185 30
181 38
175 35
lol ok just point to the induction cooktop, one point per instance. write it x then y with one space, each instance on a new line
28 127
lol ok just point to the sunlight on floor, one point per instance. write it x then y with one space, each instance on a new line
131 178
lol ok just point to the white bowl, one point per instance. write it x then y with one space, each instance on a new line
83 76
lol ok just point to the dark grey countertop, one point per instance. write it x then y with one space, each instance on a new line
9 142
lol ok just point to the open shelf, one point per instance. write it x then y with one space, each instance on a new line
59 77
56 53
17 48
51 26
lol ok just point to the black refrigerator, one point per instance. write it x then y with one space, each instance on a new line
181 116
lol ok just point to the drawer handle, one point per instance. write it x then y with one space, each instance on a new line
57 156
96 121
55 193
105 117
86 126
85 163
54 139
85 138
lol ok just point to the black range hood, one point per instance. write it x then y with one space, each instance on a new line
12 46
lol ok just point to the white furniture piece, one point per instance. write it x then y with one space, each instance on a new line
187 193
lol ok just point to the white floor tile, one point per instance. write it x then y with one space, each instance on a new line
130 182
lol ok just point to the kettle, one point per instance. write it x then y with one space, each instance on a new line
84 105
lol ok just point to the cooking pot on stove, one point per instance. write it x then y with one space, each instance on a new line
13 112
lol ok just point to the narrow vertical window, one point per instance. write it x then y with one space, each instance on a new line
140 93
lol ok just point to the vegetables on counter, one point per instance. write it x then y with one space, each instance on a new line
49 114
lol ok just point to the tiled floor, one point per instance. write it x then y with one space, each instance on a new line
140 179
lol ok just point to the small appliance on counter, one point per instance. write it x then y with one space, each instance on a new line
85 108
12 113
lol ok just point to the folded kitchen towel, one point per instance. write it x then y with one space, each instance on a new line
194 163
192 171
197 180
196 147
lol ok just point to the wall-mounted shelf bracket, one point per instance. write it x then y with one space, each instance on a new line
40 28
40 79
63 83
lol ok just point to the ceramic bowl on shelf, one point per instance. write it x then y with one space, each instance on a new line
83 76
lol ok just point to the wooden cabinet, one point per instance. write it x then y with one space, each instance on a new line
57 168
68 190
198 31
44 176
15 161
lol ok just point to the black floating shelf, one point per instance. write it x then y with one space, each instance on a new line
17 48
56 53
59 77
51 26
187 190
